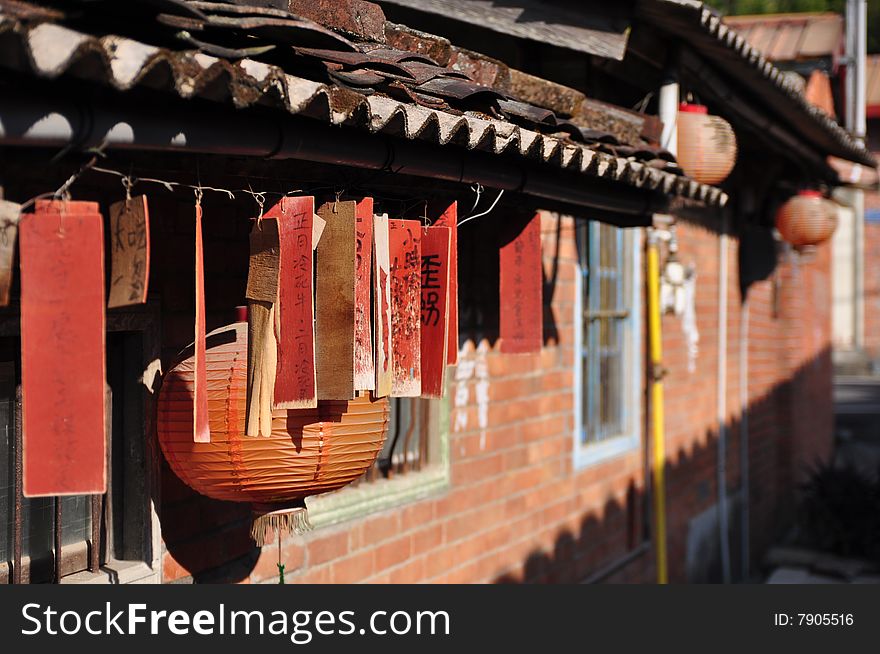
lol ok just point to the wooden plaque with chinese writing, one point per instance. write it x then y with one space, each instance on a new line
405 258
63 349
364 372
201 430
449 218
382 306
129 252
262 294
436 266
521 308
295 381
335 300
9 217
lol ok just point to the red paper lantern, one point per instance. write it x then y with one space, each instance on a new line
806 219
309 451
706 144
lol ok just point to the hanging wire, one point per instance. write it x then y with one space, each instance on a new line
259 198
63 191
171 185
129 181
483 213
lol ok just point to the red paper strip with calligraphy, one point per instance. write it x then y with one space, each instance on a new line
382 306
521 308
295 381
405 257
436 265
201 430
449 218
364 372
63 349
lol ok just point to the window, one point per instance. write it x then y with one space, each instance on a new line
413 463
102 538
38 515
407 447
608 378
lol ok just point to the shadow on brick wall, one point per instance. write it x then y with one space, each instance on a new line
790 429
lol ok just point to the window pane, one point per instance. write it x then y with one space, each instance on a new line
37 513
76 523
406 447
603 260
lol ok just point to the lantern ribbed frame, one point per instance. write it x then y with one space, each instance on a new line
806 219
706 145
310 451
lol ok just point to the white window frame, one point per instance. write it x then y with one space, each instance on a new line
630 438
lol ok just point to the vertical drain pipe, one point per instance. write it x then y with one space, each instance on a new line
667 110
859 70
658 445
723 527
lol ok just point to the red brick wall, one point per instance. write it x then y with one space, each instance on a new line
790 423
516 510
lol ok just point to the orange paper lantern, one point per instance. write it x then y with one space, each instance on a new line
806 219
706 144
309 451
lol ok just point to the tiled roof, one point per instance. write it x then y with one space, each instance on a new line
50 50
789 37
727 49
565 25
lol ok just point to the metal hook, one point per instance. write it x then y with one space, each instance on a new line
127 184
478 189
65 199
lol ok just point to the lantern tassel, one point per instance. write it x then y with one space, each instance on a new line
279 521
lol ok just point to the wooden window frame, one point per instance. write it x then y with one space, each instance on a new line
79 561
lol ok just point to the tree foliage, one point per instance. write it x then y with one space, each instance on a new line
746 7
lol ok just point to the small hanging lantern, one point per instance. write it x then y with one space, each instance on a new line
806 219
706 144
309 451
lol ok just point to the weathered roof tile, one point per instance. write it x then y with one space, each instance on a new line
53 51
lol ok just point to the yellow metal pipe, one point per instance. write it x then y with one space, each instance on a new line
658 446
